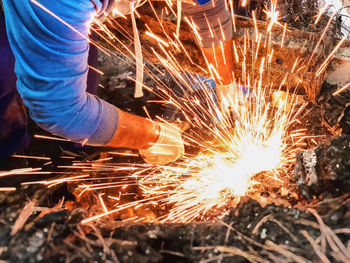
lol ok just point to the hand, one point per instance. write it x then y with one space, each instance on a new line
124 7
168 148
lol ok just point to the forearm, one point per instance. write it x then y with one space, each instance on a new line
134 132
222 60
214 37
85 119
115 128
51 67
213 21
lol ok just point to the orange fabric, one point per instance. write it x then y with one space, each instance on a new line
224 65
134 132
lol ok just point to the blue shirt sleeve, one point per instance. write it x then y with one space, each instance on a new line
51 67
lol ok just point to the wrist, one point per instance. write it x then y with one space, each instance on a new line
134 132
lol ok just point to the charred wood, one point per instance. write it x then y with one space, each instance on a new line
325 168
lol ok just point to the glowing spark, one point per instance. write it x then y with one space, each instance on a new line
53 182
121 207
273 15
157 38
255 26
321 12
7 189
96 70
124 154
50 138
19 171
233 16
115 12
341 89
262 65
260 142
235 51
31 157
84 142
103 203
330 56
284 34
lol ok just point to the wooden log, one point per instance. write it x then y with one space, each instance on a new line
325 168
294 63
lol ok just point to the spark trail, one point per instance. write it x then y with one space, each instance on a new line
261 141
252 132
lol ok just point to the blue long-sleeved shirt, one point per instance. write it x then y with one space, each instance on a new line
51 65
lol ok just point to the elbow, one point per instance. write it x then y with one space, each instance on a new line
71 113
63 118
56 127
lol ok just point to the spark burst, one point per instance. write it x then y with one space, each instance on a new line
252 133
261 141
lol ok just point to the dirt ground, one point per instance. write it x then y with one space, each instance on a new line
249 233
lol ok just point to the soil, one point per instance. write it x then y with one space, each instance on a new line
249 233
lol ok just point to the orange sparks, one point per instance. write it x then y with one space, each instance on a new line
340 90
329 58
157 38
84 142
31 157
255 26
7 189
284 35
103 203
273 15
224 169
321 12
50 138
124 153
96 70
19 171
244 3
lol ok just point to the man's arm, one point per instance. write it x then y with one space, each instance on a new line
215 31
51 67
